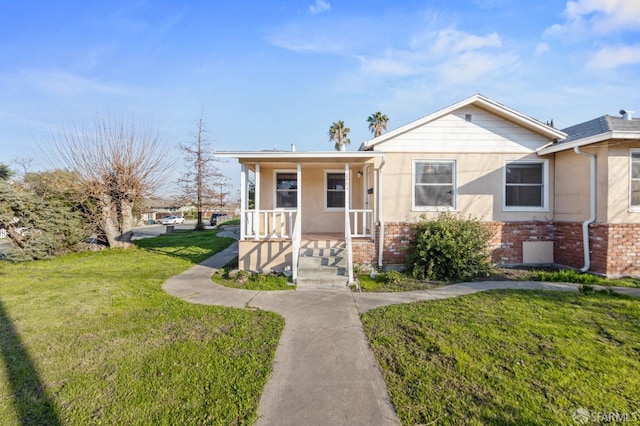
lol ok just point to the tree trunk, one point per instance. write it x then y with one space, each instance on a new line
110 224
126 210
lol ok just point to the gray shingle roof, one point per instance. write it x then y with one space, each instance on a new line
604 124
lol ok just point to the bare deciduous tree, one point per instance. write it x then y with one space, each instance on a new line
202 184
117 163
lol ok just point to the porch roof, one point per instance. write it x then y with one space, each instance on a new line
301 156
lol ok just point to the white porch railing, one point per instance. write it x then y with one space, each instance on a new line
297 239
260 224
347 237
361 222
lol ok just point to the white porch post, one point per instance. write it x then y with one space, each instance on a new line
347 223
256 207
299 191
347 192
243 200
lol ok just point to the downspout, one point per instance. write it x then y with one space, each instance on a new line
592 218
380 219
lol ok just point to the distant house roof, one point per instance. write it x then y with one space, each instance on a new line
597 130
481 102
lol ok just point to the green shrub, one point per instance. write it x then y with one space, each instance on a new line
448 248
392 277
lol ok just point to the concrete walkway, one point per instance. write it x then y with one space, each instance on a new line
324 371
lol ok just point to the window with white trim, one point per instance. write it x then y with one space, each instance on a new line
286 190
434 184
525 185
634 184
335 195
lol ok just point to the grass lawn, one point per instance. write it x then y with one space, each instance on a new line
510 357
248 281
92 338
559 276
393 282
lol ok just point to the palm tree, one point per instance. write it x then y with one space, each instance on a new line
377 123
338 133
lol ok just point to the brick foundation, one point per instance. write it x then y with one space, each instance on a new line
506 244
364 252
396 242
568 249
614 248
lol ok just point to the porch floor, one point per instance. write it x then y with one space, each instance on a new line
327 236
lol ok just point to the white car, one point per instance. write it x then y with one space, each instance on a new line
172 220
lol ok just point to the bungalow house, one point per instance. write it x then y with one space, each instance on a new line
317 214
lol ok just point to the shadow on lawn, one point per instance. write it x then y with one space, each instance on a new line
193 246
30 398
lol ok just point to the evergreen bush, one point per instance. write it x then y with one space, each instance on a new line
449 248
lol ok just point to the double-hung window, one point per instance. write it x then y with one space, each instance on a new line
286 190
525 185
335 195
634 184
434 185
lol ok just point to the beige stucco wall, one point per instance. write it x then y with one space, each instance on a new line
262 256
573 184
315 217
618 170
480 186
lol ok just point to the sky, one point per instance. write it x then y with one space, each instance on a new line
267 74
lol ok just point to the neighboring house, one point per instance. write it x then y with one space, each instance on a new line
597 195
323 212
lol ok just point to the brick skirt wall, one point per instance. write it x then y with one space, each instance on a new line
506 244
614 248
364 252
623 248
568 248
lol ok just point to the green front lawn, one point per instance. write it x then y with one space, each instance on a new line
92 338
509 357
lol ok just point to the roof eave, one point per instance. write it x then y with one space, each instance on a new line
299 155
618 135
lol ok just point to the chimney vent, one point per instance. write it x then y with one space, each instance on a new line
626 115
293 147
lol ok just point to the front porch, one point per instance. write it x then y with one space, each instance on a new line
301 213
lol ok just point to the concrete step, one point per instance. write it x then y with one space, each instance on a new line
322 244
315 262
322 264
322 252
322 271
322 282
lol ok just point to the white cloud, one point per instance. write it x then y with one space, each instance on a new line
599 16
472 66
385 66
542 48
451 40
614 56
317 43
66 83
319 6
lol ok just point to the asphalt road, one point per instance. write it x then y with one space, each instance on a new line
148 231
